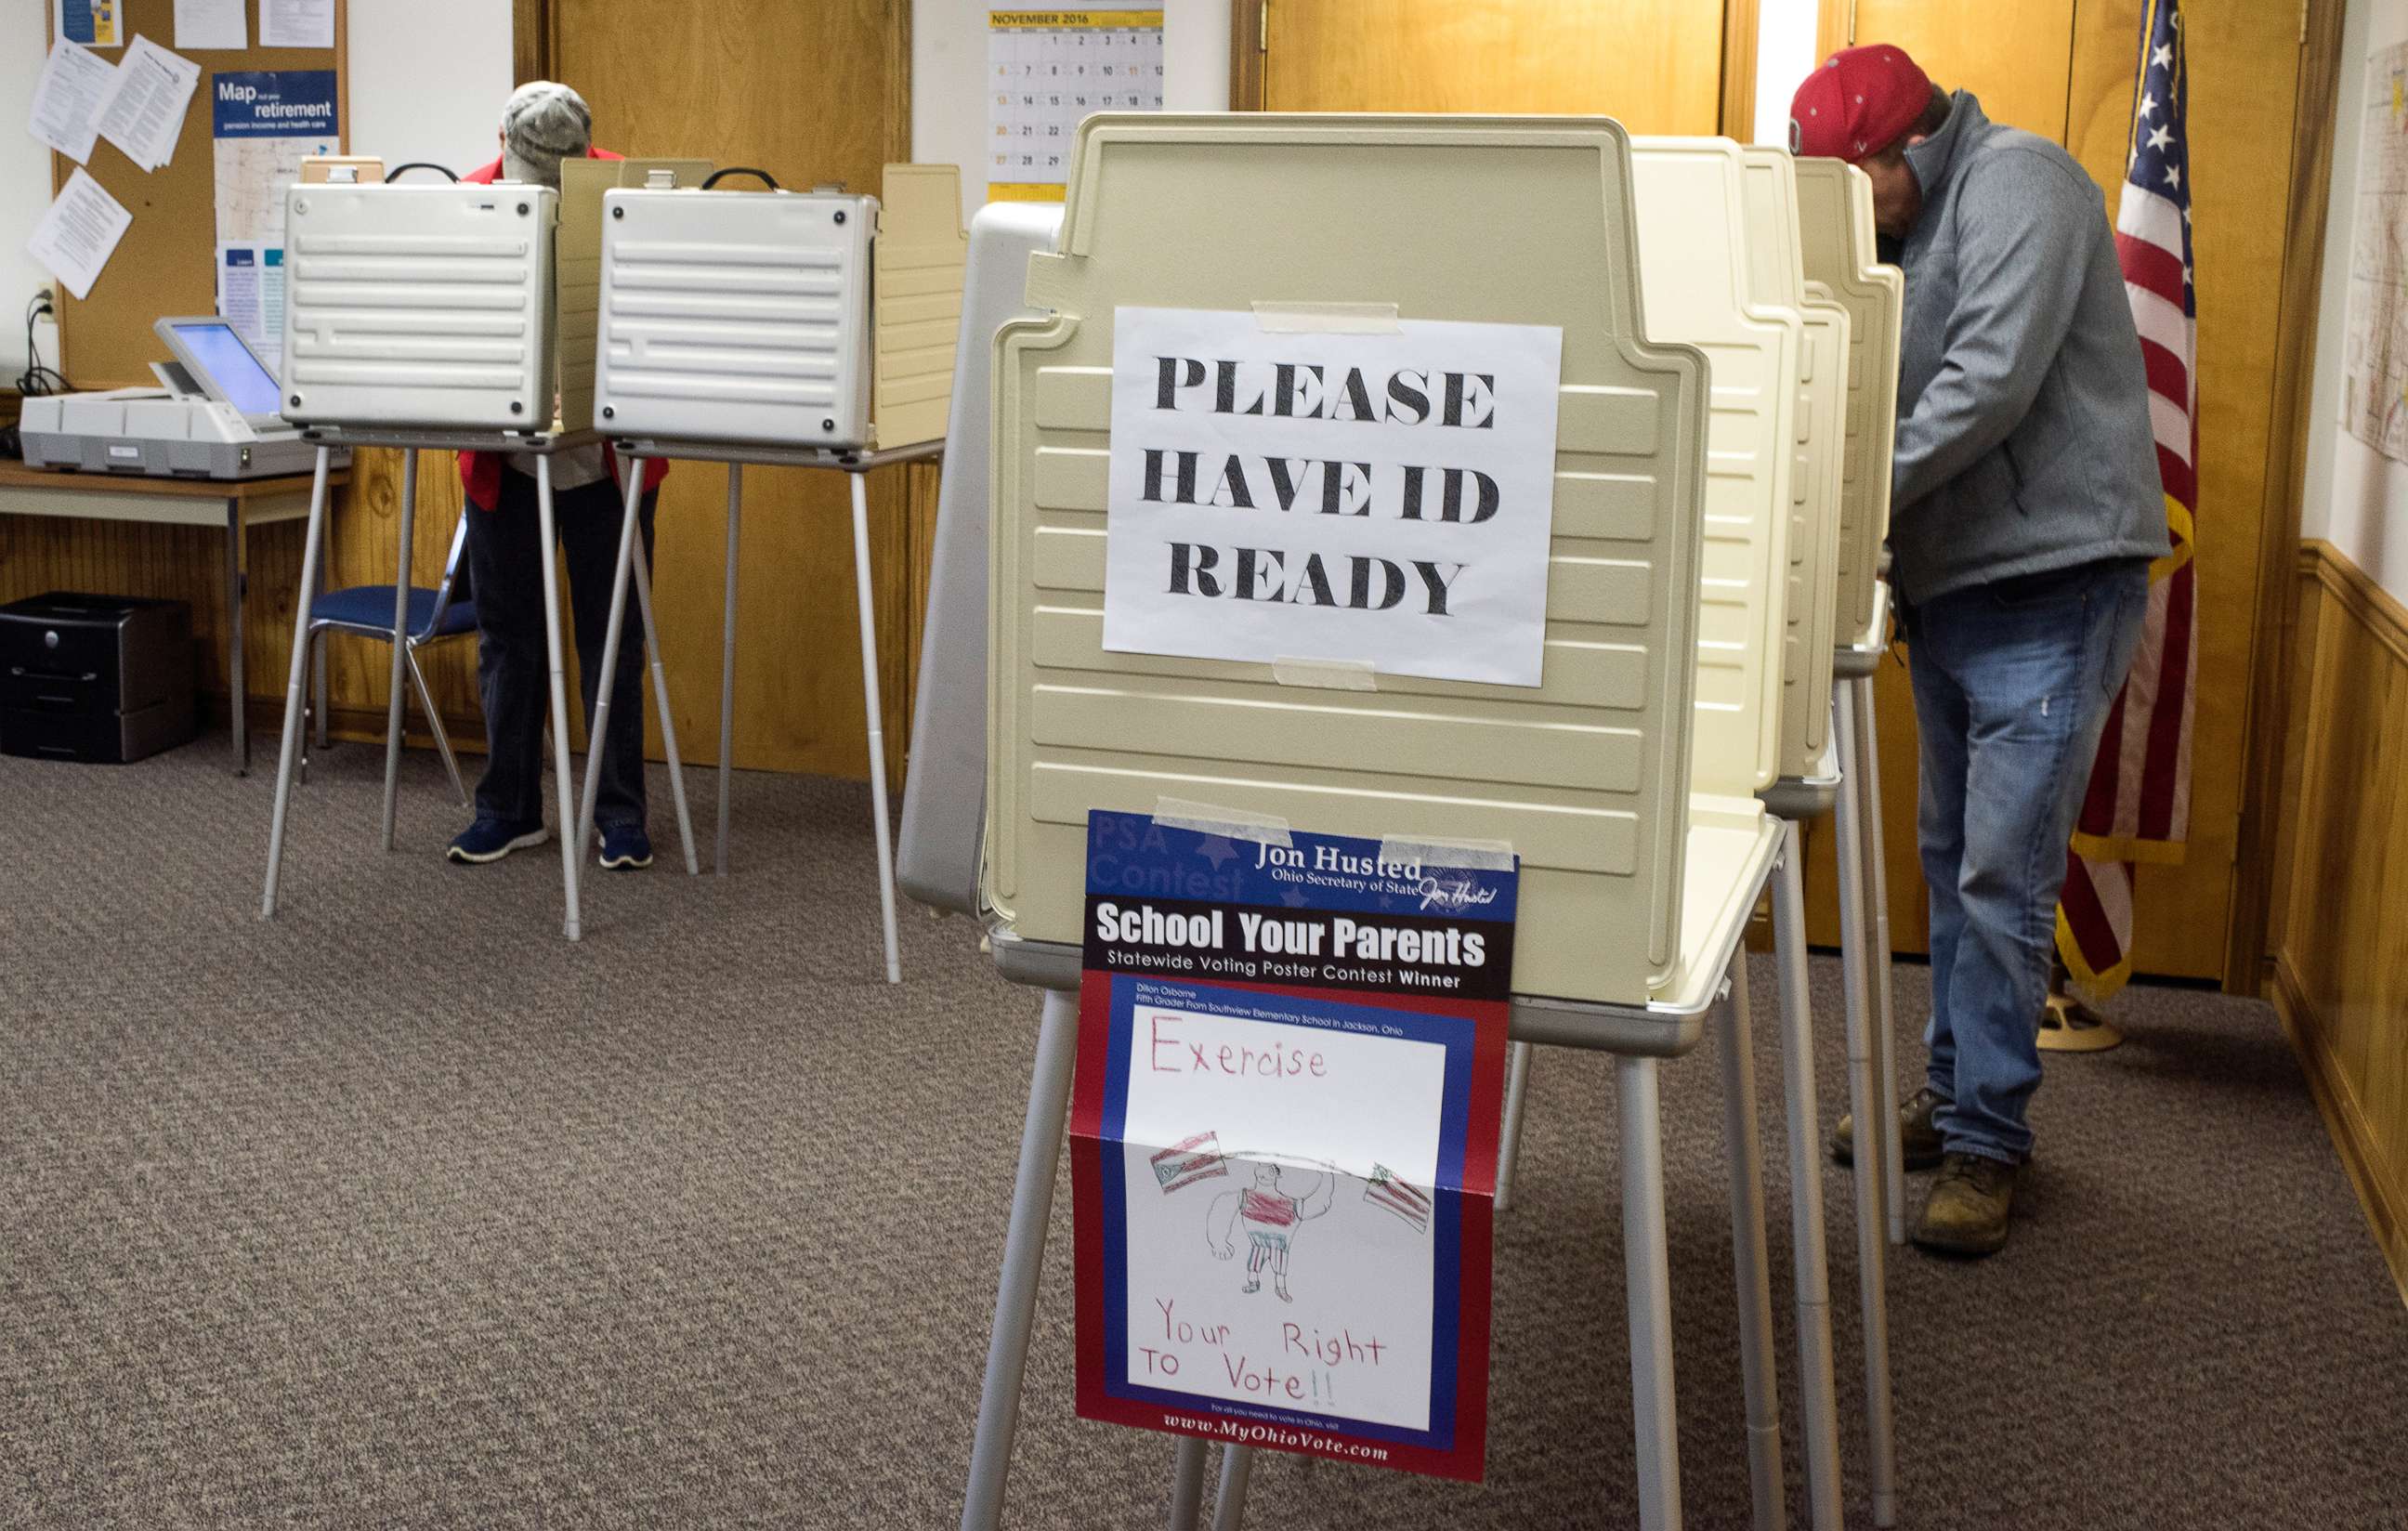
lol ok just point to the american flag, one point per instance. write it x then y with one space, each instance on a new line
2138 808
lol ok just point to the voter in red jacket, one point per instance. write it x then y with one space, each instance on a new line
543 123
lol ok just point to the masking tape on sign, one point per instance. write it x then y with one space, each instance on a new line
1228 823
1472 856
1327 319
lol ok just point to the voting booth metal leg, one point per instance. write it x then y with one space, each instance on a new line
312 546
1867 1100
631 568
1187 1483
572 924
1816 1385
1647 1276
1023 1258
238 688
392 709
1751 1264
668 723
613 633
727 661
1229 1500
1509 1135
434 725
1885 1014
877 724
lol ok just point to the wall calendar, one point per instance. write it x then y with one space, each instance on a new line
1048 69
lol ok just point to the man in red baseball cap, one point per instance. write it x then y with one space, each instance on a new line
2025 508
1866 105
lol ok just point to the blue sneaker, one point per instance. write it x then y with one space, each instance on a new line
491 839
625 848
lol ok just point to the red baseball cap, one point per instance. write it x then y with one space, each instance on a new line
1859 103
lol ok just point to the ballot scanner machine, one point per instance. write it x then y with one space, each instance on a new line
212 416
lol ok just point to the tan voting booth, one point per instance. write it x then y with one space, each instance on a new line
1642 849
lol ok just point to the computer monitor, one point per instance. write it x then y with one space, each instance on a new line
223 365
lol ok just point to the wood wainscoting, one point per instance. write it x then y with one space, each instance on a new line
2340 909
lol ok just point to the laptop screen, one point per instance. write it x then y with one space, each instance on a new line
239 378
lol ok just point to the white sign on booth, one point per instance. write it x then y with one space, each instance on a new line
1378 496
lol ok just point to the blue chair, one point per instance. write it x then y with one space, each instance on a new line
447 611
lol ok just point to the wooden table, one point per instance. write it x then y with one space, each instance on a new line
237 504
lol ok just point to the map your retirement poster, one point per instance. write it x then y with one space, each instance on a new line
1291 1065
263 124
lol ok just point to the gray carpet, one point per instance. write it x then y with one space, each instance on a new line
401 1211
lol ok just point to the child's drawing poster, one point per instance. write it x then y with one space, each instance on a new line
1285 1138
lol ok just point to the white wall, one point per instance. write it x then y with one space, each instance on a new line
427 82
1784 55
2355 497
24 185
428 78
949 95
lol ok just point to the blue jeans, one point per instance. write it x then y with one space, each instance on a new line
2012 684
506 557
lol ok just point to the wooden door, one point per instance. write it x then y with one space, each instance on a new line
2065 68
1656 66
721 83
2015 57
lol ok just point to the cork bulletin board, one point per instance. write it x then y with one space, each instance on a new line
166 263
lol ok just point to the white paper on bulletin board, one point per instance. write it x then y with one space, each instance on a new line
1047 69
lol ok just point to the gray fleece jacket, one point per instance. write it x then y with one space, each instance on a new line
2024 440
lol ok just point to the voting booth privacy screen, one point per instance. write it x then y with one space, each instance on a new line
736 317
1835 203
420 307
1381 221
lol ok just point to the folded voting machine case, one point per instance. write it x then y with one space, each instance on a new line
945 798
420 307
735 316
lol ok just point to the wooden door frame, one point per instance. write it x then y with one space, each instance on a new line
2266 720
1249 32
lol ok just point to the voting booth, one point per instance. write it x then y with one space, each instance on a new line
1837 200
799 329
429 318
1634 886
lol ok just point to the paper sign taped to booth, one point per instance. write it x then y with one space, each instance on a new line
1374 496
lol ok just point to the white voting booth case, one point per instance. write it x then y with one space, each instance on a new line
1634 888
420 305
735 318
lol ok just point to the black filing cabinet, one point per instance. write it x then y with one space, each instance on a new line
105 678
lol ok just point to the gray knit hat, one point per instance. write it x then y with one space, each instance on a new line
543 122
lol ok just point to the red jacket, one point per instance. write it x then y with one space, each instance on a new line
481 472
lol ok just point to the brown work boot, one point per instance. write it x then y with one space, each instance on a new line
1966 1211
1918 1140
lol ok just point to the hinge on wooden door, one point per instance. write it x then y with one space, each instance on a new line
1851 23
2303 23
1263 26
